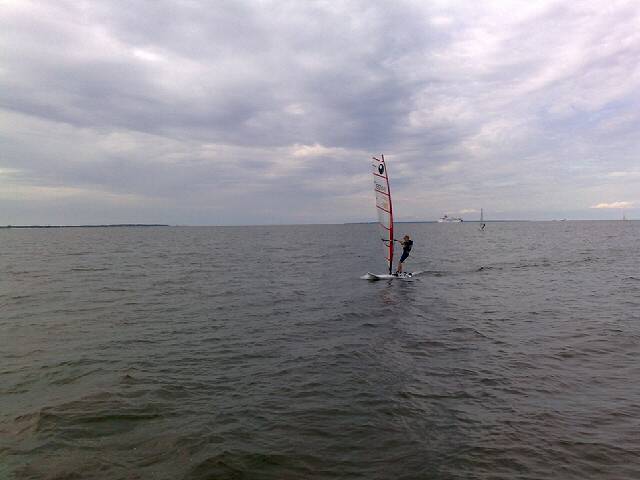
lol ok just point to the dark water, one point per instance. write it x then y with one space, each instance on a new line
258 353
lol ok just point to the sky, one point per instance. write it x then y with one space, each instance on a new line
268 112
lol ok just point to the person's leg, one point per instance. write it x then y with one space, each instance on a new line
402 259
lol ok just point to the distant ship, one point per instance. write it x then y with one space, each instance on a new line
448 219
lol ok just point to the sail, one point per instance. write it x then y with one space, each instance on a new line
481 216
384 208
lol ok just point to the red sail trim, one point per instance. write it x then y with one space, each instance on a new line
384 226
389 212
383 193
381 176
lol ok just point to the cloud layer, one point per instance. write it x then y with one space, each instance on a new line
614 205
268 112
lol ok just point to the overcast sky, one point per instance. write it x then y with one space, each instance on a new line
244 112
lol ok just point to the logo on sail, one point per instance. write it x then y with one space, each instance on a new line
381 169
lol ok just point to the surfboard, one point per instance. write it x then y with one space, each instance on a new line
386 276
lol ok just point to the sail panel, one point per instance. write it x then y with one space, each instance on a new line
384 208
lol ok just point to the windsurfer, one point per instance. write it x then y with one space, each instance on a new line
406 243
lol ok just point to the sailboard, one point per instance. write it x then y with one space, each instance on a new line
384 208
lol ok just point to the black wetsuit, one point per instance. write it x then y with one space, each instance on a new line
406 248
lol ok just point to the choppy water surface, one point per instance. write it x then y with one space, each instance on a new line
257 352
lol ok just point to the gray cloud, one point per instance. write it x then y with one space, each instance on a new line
260 112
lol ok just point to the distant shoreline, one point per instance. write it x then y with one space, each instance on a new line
436 221
116 225
500 221
142 225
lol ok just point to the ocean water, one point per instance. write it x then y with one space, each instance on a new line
259 353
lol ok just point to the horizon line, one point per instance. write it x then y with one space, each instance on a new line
369 222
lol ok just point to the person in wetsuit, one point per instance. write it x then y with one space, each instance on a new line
406 243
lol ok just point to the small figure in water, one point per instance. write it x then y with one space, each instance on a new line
406 243
482 226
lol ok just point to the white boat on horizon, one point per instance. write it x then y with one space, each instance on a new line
448 219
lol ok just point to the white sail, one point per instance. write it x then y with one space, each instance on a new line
384 208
